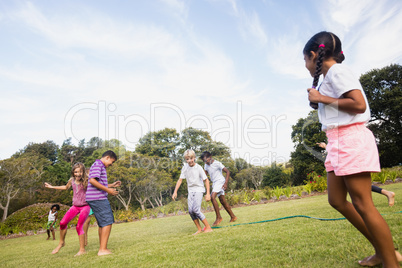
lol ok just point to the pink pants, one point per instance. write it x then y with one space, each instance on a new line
71 213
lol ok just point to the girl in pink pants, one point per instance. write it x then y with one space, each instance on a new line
79 182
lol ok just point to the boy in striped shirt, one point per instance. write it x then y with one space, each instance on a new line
96 197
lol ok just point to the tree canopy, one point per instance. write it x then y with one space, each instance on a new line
383 88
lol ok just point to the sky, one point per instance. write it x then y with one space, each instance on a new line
120 69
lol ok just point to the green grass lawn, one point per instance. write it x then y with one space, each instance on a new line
168 242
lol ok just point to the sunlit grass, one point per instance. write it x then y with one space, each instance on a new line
168 242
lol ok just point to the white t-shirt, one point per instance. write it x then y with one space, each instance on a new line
339 80
195 177
215 171
52 216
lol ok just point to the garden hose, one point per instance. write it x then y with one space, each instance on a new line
288 217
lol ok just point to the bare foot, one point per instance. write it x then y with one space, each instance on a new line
374 260
217 221
54 238
80 253
370 261
56 250
199 231
207 230
104 252
233 219
391 198
48 238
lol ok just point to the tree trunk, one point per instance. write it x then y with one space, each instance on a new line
5 209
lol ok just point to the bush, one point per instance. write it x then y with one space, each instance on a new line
380 177
317 182
28 219
277 192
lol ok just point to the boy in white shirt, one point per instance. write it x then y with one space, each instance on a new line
195 176
220 184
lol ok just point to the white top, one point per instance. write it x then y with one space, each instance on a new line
215 171
339 80
52 216
195 177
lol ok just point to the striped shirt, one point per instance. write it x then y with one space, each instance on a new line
98 170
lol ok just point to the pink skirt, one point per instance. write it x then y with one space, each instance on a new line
351 149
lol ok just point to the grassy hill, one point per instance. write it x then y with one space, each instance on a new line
168 242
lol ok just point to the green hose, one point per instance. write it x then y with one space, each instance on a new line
288 217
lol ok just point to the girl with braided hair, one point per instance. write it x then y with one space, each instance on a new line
351 151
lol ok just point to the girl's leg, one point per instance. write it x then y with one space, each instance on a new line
337 193
70 214
84 212
48 234
227 208
86 227
216 208
359 188
53 233
61 244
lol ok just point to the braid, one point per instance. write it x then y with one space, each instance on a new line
318 68
317 73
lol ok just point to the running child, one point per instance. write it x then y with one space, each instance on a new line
79 182
51 221
352 153
195 175
219 184
96 196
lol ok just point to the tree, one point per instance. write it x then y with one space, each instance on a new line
143 179
16 175
47 149
160 143
307 156
199 141
252 175
275 176
383 88
71 153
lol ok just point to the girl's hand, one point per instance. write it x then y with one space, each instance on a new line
174 196
314 95
207 197
47 185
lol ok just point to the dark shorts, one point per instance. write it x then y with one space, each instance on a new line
102 211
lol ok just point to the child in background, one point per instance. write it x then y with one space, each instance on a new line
51 220
96 196
79 182
219 184
195 175
352 153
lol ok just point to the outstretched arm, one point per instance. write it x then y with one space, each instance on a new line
64 187
176 188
